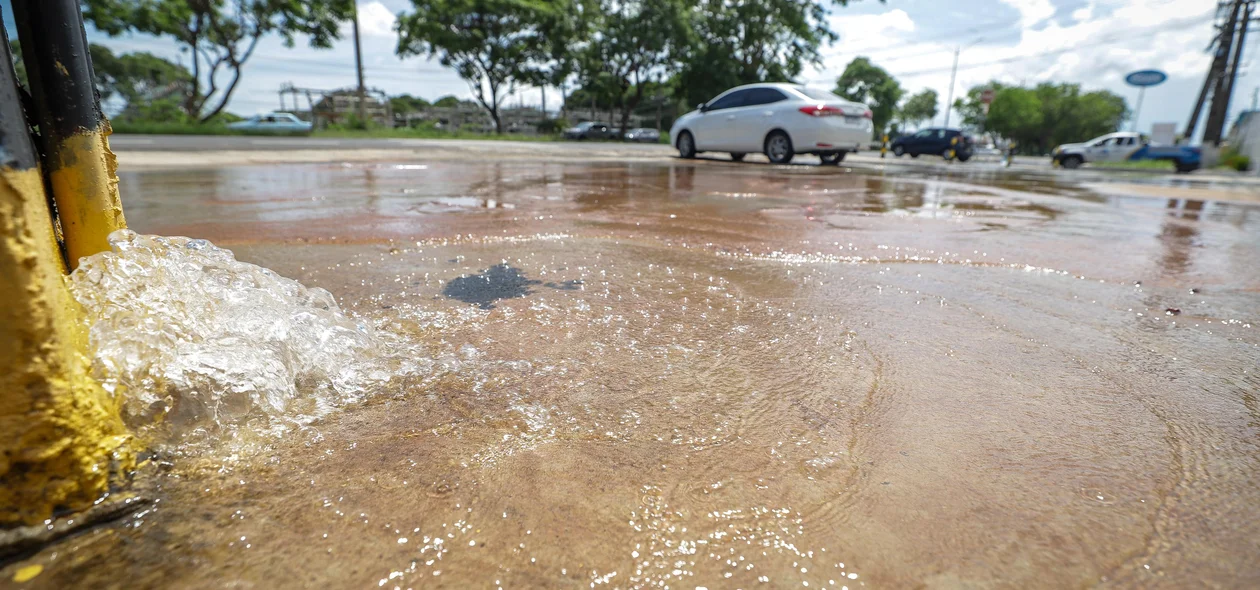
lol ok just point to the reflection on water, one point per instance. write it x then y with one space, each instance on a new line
709 375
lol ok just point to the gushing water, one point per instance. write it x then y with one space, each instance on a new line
194 340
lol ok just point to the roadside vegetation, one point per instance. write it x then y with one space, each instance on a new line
617 61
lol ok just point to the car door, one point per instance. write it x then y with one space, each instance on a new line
707 129
916 144
1103 149
937 142
1126 147
747 125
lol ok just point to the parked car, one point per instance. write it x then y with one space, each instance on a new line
935 141
273 123
643 135
779 120
1126 146
589 130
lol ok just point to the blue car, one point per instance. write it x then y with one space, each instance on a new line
273 123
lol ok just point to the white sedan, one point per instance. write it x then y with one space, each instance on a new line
779 120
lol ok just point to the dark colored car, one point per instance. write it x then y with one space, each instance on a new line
643 135
590 130
935 141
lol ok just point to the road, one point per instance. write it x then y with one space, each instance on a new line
683 373
150 152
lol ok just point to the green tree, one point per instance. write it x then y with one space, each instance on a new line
140 80
1016 113
446 102
1044 116
636 40
564 31
918 108
752 41
406 103
492 44
219 35
865 82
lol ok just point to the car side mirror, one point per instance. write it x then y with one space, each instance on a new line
702 107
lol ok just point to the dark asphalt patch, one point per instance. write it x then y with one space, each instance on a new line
497 282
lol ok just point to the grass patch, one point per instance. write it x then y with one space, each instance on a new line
424 133
1160 165
152 128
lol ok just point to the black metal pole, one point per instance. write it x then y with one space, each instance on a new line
1214 128
77 163
55 50
16 150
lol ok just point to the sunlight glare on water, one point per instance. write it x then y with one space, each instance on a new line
684 375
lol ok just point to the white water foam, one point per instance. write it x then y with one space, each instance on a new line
195 341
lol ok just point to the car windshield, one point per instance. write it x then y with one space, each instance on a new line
817 94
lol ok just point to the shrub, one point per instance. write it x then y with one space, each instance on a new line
1230 158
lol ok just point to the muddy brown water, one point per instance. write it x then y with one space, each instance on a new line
694 375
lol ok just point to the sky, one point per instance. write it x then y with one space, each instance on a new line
1093 43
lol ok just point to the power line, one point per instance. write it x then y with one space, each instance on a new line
1114 39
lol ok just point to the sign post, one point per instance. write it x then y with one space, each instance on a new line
1142 79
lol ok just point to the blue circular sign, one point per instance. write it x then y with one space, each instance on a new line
1146 78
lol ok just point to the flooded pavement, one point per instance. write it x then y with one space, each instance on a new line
684 375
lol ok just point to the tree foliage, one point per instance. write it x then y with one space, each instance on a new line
918 108
1046 115
220 35
447 101
149 86
635 41
406 103
752 41
865 82
492 44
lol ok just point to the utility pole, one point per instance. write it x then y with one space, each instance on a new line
953 73
358 64
1222 83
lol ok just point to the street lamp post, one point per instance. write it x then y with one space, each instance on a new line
953 74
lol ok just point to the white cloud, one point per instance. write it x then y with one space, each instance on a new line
1032 12
1104 41
376 20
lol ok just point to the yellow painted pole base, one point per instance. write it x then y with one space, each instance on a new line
84 181
61 437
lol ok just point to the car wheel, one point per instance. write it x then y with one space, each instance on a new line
914 155
832 157
686 145
899 151
1186 168
737 157
779 147
964 156
1071 162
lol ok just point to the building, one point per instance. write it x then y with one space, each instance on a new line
339 107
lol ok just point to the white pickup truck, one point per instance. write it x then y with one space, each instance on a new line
1125 146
